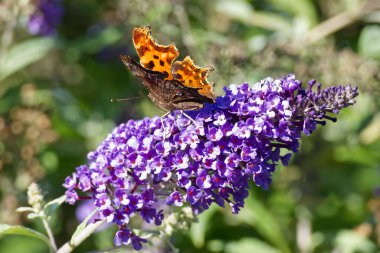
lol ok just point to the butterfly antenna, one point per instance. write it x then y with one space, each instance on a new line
122 99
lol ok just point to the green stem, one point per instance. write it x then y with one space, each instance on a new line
50 234
71 245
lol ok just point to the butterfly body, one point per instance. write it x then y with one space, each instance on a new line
178 86
168 95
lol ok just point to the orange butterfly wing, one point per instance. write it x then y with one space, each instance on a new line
193 76
152 55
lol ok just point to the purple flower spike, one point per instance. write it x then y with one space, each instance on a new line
236 140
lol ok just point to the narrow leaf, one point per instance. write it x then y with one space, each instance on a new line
51 206
369 45
259 217
199 229
249 245
25 209
23 54
32 216
83 225
20 230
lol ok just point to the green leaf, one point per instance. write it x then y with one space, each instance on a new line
349 242
20 230
243 12
83 225
32 216
250 245
51 206
198 230
23 54
259 217
300 8
25 209
106 37
369 45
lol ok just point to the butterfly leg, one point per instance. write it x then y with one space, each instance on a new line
162 123
187 116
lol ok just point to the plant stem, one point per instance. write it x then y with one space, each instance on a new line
340 21
50 234
74 242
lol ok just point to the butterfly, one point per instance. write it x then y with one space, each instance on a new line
181 85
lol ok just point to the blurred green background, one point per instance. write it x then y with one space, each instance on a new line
55 92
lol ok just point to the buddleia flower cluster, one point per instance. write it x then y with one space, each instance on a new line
143 167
